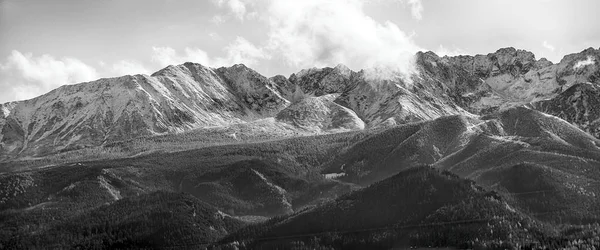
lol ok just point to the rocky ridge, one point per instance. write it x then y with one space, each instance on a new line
172 100
189 96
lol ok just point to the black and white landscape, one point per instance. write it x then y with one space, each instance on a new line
482 151
487 150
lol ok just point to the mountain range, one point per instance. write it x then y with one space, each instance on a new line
189 96
325 158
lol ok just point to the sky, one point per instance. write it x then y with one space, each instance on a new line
45 44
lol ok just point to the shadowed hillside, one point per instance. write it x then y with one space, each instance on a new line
417 207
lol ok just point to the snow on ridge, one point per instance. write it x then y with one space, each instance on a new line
116 194
5 111
162 103
334 175
583 63
279 189
221 215
562 120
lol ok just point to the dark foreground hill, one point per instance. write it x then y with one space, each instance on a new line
153 220
419 207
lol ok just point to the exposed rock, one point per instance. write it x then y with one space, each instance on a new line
255 90
5 110
320 114
578 105
506 78
318 82
377 100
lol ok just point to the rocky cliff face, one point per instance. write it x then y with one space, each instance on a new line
377 97
579 105
255 91
321 114
508 77
315 82
394 101
5 110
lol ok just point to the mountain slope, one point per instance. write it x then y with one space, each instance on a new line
174 99
320 114
480 149
156 220
544 168
417 207
578 105
392 100
5 110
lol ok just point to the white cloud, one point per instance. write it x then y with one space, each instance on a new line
416 9
165 56
242 51
24 76
548 46
586 62
443 51
239 51
217 19
312 33
126 67
237 9
214 36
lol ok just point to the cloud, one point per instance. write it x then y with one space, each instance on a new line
312 33
548 46
416 9
165 56
315 33
126 67
217 19
443 51
586 62
242 51
24 76
214 36
239 51
237 8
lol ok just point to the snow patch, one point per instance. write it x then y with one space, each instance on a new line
70 187
5 111
509 208
233 135
111 190
583 63
220 215
280 190
563 121
509 139
334 175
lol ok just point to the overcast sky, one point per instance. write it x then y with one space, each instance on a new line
45 44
